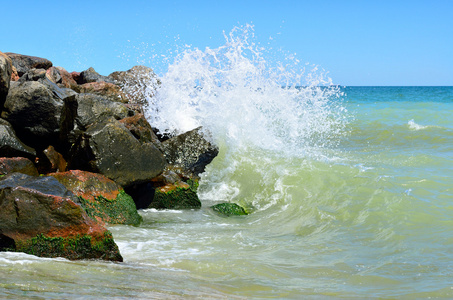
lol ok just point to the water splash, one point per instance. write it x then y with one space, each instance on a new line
245 102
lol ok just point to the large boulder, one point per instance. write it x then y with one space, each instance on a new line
139 83
90 75
34 112
11 145
23 63
109 148
101 197
106 89
22 165
141 129
41 217
190 152
5 77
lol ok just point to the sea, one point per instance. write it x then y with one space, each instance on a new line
349 191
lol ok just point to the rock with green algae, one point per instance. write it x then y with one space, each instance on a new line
229 209
179 195
39 216
101 197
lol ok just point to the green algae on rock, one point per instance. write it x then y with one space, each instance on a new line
101 197
229 209
175 196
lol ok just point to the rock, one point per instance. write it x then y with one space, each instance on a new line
107 147
106 89
90 75
92 108
14 75
75 76
189 152
175 196
101 197
139 83
10 145
34 112
141 129
22 165
57 162
23 63
53 73
5 77
40 217
229 209
67 80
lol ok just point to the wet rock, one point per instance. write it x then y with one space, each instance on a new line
34 112
141 129
106 89
56 160
23 63
102 198
109 148
10 145
22 165
139 83
41 217
189 152
175 196
90 75
5 77
229 209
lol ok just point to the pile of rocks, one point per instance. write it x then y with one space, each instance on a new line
76 152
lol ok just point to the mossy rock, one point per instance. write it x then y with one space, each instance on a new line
74 247
175 197
229 209
121 210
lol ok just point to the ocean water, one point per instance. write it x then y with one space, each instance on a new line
349 189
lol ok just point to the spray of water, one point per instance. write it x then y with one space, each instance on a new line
243 101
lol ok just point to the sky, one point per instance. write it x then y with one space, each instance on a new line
364 43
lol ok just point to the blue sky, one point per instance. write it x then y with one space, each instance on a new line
357 42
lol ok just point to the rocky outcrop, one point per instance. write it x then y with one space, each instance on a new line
107 147
141 129
5 77
41 217
34 112
189 152
10 145
9 165
102 198
139 83
23 63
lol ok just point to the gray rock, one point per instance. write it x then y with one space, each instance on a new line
109 148
5 77
10 145
90 75
23 63
190 152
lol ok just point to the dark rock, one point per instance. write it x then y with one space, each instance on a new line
106 89
34 112
5 77
175 196
22 165
102 198
107 147
229 209
40 217
138 83
90 75
10 145
23 63
189 152
141 129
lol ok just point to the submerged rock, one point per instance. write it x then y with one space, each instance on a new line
229 209
175 196
109 148
102 198
41 217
